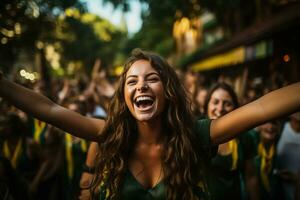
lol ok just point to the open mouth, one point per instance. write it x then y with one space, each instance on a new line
144 102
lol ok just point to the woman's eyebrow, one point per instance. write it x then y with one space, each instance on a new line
149 74
152 73
131 76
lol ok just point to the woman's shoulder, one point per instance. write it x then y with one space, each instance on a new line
202 133
202 130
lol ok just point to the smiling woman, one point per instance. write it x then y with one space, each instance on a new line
150 146
233 167
152 124
144 91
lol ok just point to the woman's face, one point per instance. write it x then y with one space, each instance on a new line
144 91
219 104
269 131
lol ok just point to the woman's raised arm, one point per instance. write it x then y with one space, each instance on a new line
275 104
44 109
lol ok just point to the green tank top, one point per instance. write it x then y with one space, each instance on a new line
132 189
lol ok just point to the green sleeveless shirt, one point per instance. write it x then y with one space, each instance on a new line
132 189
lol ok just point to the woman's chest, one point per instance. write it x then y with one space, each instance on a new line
146 168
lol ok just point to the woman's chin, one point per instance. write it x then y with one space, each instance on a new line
144 117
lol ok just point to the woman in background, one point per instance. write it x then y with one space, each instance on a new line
233 165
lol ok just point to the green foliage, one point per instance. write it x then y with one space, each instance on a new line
88 37
156 31
158 19
80 37
152 38
77 37
159 16
25 22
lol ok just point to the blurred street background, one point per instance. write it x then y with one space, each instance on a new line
73 52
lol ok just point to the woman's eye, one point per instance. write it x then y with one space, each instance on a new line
228 104
131 82
153 79
215 102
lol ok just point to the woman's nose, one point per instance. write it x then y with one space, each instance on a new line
142 87
221 108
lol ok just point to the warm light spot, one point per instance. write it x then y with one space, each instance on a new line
39 45
180 27
34 9
31 77
286 58
22 72
10 33
118 70
18 29
88 18
28 75
71 12
4 40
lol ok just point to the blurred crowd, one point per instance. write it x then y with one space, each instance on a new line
39 161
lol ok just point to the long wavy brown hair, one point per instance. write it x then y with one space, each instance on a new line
181 159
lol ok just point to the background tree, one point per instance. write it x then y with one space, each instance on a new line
83 37
22 23
159 17
62 27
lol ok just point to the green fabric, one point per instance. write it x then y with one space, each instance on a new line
132 189
224 183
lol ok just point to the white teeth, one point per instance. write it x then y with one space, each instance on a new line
143 98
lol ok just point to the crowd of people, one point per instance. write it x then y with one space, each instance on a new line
130 150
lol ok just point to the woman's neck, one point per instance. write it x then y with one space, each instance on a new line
149 132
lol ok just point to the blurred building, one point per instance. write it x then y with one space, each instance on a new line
270 44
